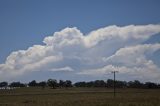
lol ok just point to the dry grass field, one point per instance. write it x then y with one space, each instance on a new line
79 97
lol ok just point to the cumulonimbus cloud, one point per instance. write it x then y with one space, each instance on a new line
95 53
130 60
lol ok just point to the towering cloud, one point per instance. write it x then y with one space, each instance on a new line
132 61
94 54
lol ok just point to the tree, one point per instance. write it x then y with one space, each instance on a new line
42 84
151 85
17 84
121 84
135 84
80 84
52 83
110 83
89 84
32 83
61 83
4 84
68 83
99 83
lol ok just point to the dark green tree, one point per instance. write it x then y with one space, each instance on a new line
110 83
52 83
61 83
17 84
68 83
3 84
32 83
43 84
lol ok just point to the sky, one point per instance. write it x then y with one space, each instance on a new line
79 40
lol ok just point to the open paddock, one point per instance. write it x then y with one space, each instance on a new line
34 96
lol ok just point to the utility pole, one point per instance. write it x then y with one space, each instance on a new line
114 72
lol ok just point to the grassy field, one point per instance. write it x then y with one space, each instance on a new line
79 97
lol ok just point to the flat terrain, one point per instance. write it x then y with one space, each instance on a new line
79 97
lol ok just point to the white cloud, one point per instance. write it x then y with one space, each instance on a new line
68 36
94 53
62 69
133 55
132 61
129 34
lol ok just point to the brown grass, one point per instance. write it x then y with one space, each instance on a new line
79 97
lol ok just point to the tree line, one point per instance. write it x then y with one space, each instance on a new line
118 84
53 83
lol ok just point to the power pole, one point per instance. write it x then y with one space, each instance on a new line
114 72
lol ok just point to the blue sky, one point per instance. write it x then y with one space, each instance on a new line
24 23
